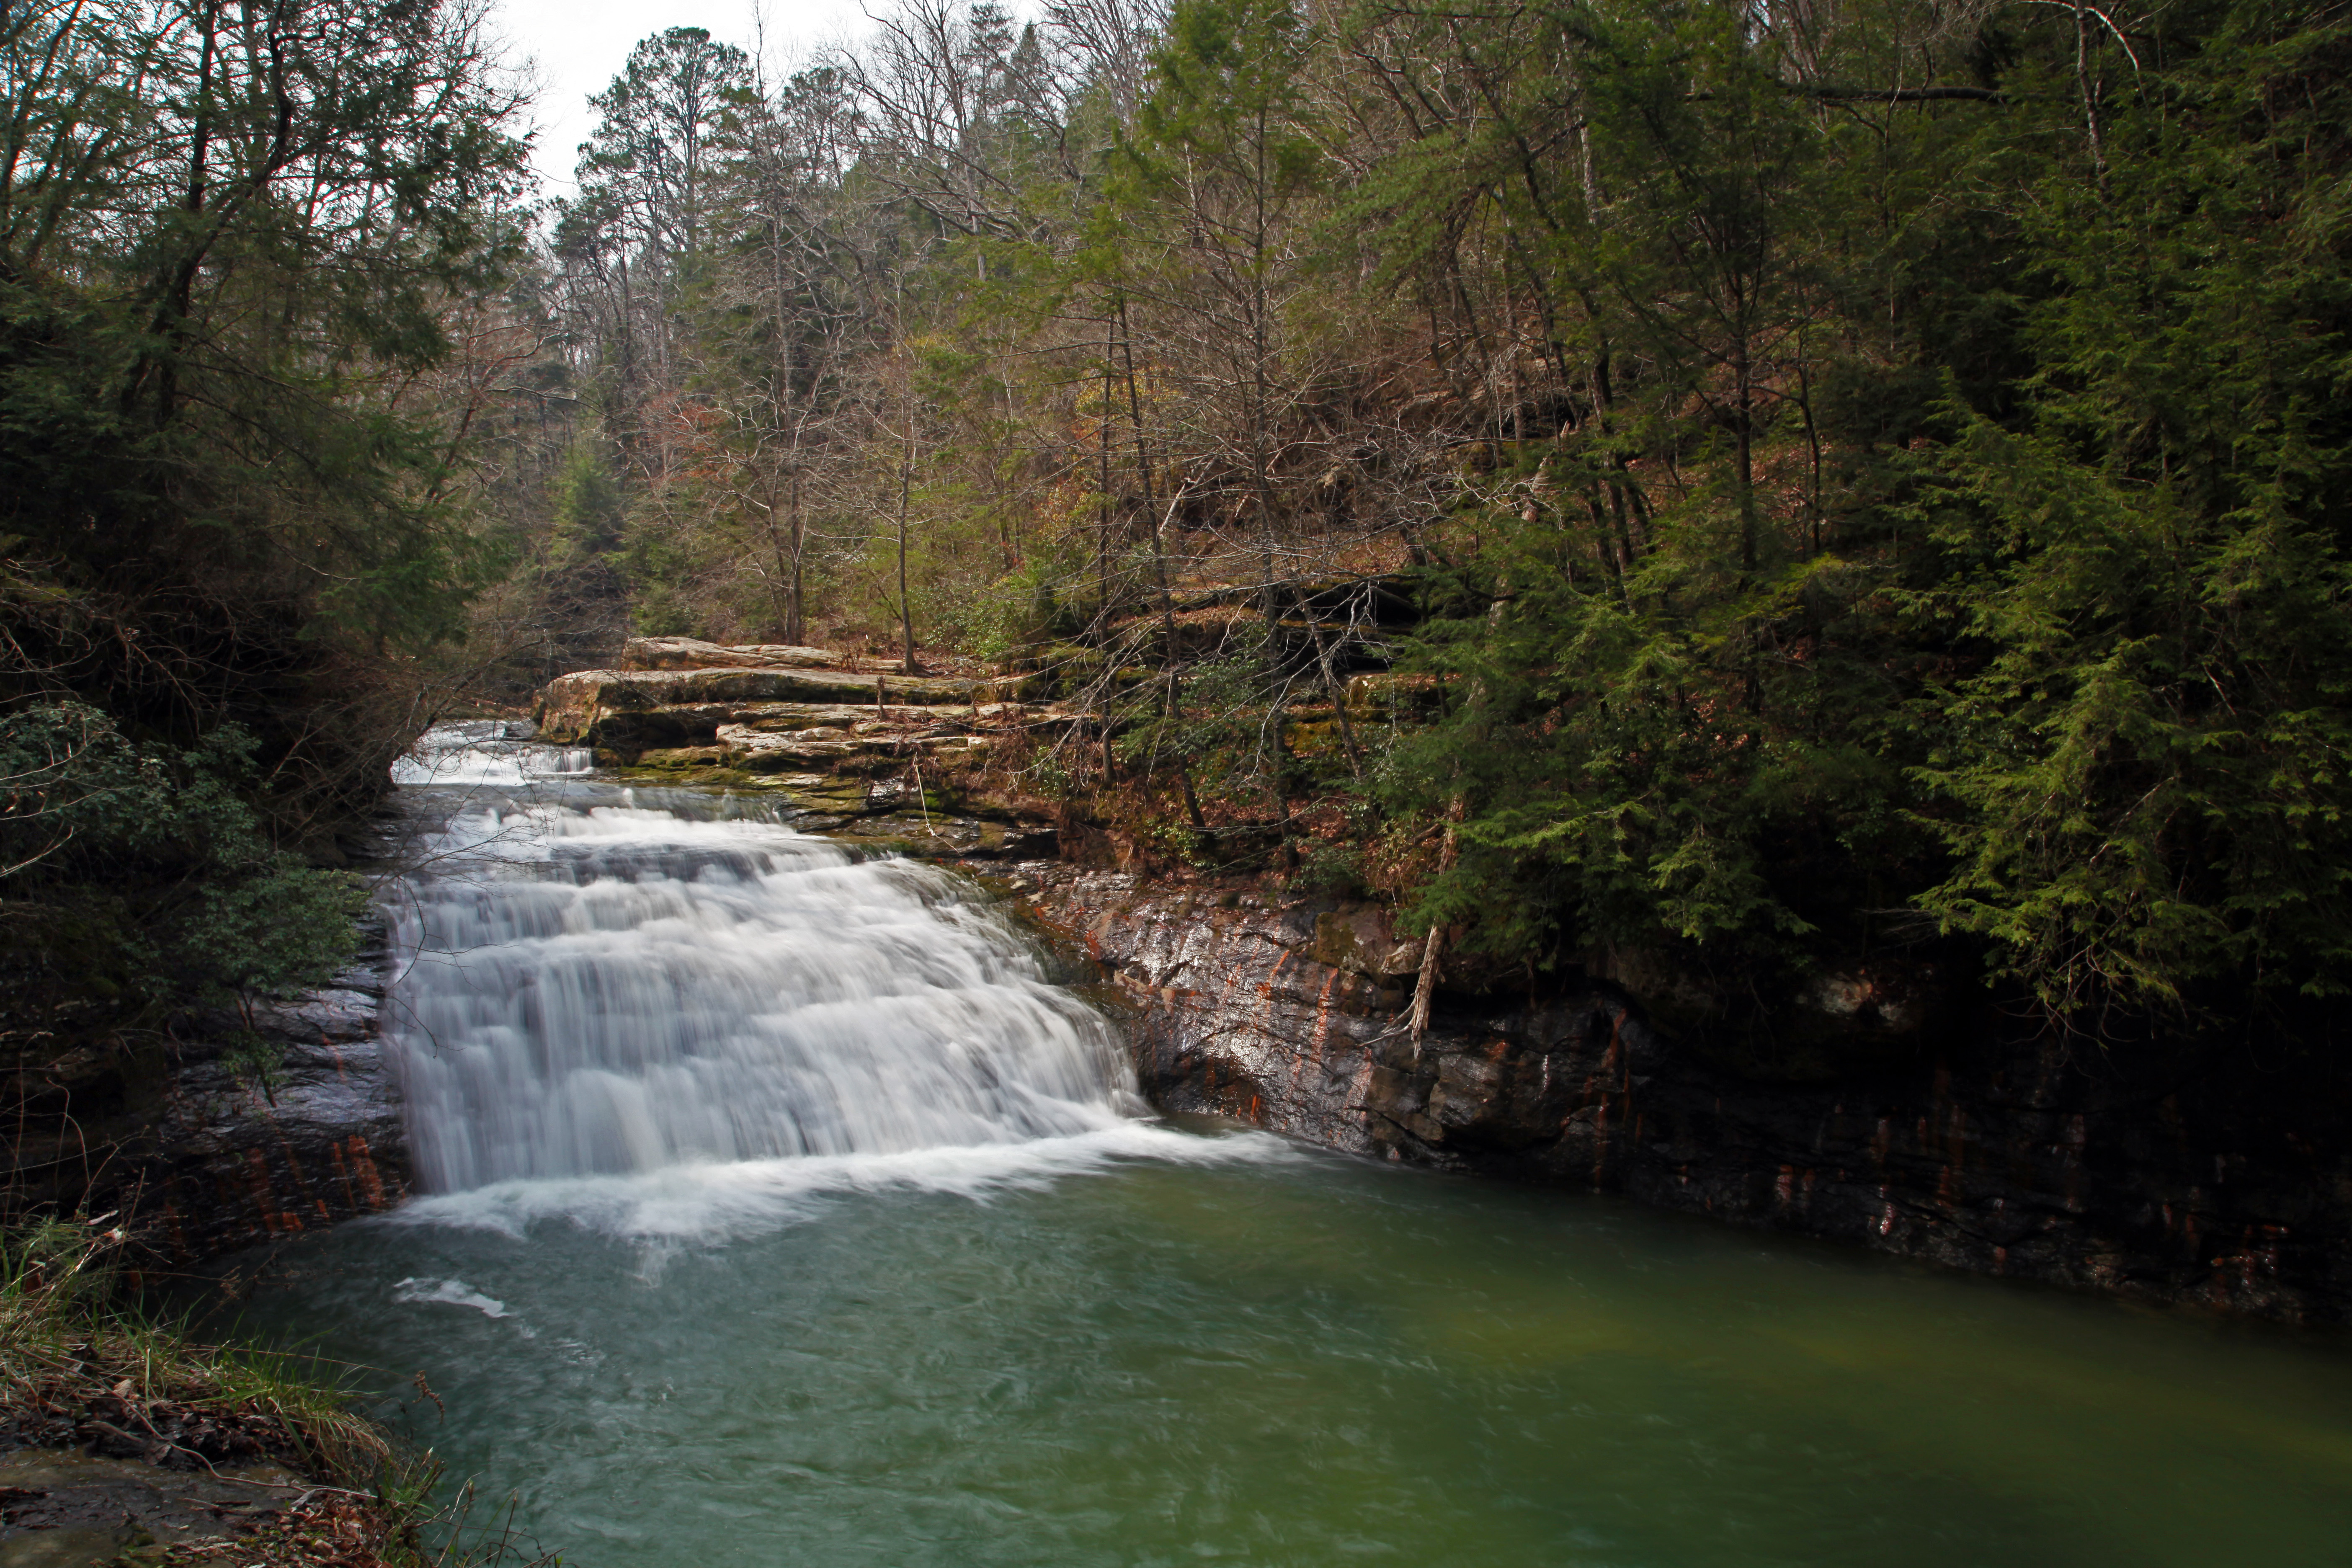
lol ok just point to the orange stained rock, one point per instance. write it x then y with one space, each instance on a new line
343 1175
363 1164
302 1182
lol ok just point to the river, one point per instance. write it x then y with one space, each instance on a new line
784 1212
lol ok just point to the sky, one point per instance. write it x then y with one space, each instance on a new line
579 46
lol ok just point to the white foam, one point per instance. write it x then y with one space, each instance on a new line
486 752
449 1293
524 835
712 1202
660 1027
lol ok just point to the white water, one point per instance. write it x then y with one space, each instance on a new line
669 1027
486 752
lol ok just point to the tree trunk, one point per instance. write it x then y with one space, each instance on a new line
1425 985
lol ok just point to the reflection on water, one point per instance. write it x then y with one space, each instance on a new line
851 1259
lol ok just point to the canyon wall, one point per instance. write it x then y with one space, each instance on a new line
232 1156
2033 1160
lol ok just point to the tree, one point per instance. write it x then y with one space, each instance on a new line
645 183
1981 580
2141 778
236 240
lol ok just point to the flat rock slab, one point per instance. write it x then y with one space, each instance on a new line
64 1507
693 653
785 716
766 751
672 707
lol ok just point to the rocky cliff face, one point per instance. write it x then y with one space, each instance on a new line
235 1156
2031 1160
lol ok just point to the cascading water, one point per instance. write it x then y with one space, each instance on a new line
486 752
589 987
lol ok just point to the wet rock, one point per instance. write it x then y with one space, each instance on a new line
64 1507
2190 1175
258 1141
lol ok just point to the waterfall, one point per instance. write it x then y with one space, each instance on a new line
586 987
486 752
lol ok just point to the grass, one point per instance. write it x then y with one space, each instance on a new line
82 1364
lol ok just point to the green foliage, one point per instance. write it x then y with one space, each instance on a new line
2017 611
234 251
145 875
256 1061
1876 475
1048 776
231 479
648 158
274 932
1021 612
1334 871
2143 779
589 507
659 609
1228 90
1616 786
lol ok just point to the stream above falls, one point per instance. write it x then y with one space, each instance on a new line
782 1210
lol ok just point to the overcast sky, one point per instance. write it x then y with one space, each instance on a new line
579 46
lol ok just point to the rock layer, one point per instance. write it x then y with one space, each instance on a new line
693 653
632 710
2022 1159
251 1147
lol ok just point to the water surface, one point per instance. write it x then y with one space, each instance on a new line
1295 1358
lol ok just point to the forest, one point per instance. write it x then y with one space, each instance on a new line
1741 489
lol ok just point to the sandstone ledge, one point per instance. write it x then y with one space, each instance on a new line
634 709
